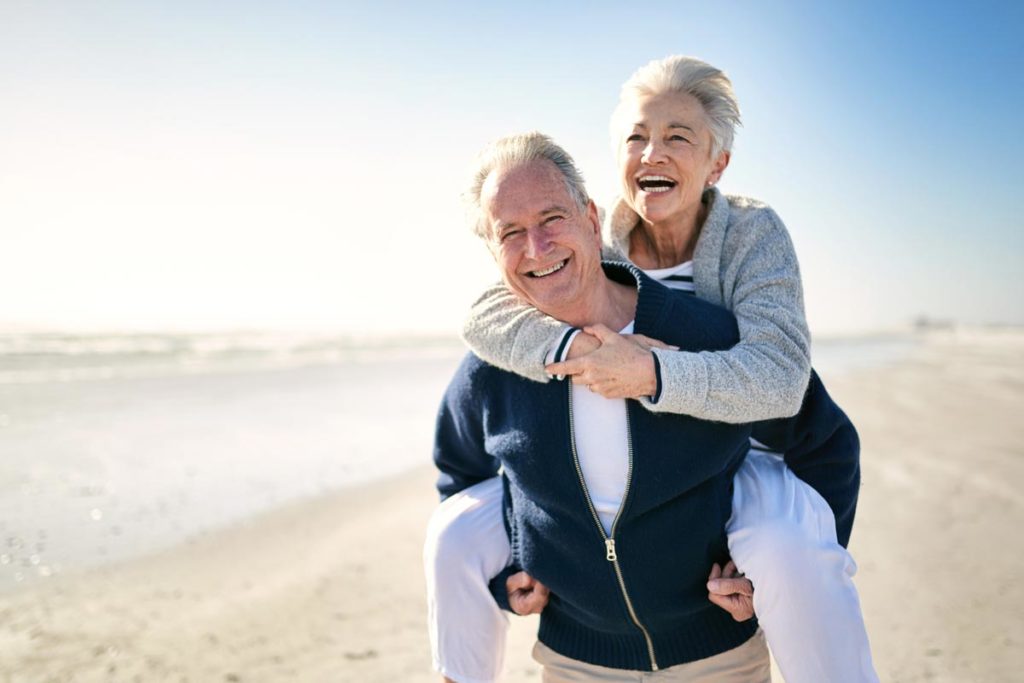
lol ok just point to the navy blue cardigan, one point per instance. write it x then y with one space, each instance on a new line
671 526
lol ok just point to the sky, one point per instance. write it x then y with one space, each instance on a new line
297 165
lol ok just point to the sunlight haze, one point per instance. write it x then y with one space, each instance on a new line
298 165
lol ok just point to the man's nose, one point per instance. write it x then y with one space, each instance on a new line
538 243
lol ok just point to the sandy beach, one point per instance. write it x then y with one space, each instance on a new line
331 589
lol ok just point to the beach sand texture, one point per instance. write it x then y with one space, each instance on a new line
332 590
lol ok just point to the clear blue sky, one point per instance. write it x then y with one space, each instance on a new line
297 165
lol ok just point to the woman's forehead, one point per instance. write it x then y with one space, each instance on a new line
665 109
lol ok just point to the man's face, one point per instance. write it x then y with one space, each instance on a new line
547 248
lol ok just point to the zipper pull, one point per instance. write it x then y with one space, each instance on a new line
609 546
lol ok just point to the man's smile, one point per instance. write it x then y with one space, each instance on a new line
548 271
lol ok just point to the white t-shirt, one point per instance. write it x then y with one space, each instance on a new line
602 445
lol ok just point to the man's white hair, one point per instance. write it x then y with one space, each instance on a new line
679 74
511 152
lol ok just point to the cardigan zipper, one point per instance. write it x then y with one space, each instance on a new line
609 539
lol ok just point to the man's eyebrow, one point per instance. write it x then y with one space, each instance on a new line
554 209
544 213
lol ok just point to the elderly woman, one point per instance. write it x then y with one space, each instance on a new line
672 133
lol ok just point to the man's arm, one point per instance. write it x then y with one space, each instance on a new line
821 446
459 452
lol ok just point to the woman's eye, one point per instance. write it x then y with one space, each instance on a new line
678 138
635 137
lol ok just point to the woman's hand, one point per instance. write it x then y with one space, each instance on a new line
731 591
526 595
621 367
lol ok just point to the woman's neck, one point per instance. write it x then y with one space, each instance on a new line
663 245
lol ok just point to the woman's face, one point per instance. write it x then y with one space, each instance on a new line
665 158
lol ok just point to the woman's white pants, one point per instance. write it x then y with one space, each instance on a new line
781 535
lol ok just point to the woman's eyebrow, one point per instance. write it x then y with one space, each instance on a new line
674 124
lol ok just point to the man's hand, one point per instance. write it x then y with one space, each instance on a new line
526 595
622 367
731 591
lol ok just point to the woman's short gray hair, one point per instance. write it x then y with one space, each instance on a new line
518 150
679 74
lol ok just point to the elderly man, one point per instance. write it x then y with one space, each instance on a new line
620 512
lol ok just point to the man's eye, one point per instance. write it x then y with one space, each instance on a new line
509 234
553 219
678 138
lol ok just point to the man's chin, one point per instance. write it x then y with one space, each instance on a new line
550 297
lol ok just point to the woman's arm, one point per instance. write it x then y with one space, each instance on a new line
765 375
749 267
512 335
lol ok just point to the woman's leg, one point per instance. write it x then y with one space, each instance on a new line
782 536
466 545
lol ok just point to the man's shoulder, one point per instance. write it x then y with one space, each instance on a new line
472 368
684 320
476 375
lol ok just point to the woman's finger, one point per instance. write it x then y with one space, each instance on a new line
573 366
648 343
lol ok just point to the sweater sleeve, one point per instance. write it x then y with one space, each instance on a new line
515 336
510 334
459 452
765 375
461 457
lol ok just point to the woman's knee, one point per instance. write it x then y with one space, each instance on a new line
464 540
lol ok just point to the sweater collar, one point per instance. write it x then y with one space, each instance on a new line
652 296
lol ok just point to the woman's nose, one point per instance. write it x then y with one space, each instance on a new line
652 153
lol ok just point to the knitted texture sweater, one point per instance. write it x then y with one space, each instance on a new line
744 261
670 527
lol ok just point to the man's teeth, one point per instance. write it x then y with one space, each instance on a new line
547 271
655 183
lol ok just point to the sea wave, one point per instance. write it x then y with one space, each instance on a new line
51 357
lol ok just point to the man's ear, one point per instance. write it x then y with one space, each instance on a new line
594 216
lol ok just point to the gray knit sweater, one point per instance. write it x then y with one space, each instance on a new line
744 261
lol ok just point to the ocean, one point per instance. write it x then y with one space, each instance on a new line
113 446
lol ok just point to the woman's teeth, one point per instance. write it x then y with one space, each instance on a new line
655 183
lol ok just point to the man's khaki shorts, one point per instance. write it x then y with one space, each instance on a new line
747 663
